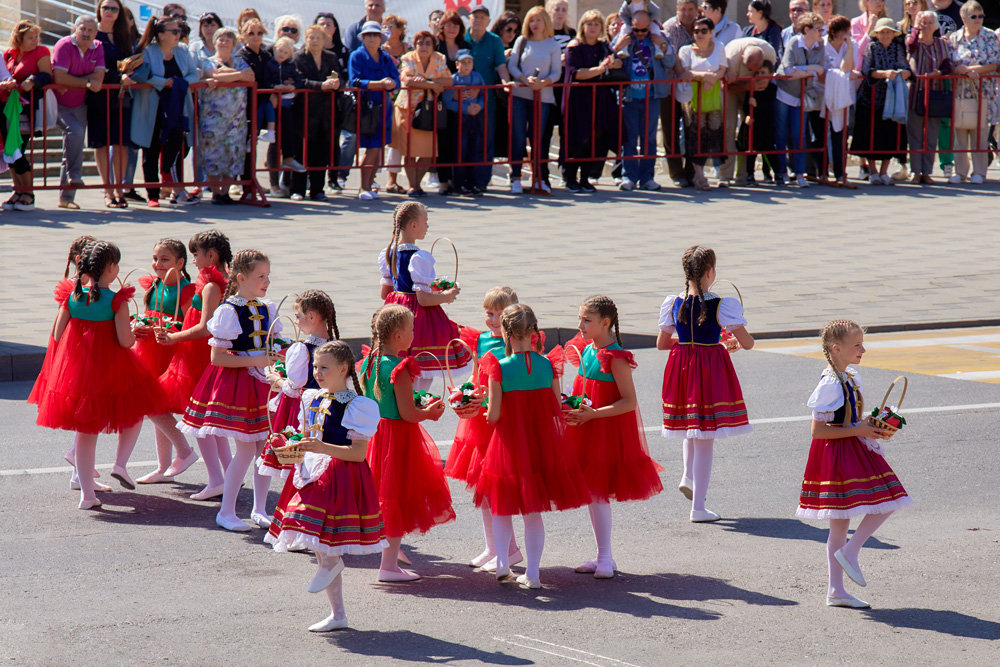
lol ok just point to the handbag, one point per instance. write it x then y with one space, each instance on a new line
347 112
47 113
707 100
967 114
938 104
371 117
426 110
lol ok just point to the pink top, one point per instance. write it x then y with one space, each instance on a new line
68 57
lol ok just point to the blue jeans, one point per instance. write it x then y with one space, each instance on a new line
522 126
640 128
472 151
788 122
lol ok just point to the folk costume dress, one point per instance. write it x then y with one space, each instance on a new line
612 451
432 330
525 468
702 397
412 491
285 407
328 505
846 477
232 402
157 357
92 383
190 358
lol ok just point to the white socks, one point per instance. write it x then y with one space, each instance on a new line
600 519
86 449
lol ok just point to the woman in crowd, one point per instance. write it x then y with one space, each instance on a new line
928 56
703 62
289 26
256 56
346 141
450 39
826 9
158 124
320 70
244 16
370 69
802 61
877 138
507 27
203 47
423 72
222 112
840 78
762 26
395 45
908 24
30 65
535 64
975 52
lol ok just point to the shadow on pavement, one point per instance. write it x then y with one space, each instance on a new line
938 620
414 647
789 529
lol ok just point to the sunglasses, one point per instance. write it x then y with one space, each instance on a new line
174 31
182 17
510 28
110 9
640 31
702 31
290 30
796 10
977 17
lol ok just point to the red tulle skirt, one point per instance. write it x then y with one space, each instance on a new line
93 384
525 469
227 402
702 397
189 361
465 459
844 478
38 389
612 451
155 357
431 332
334 515
412 490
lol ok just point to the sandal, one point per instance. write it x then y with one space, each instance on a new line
395 189
121 201
26 203
110 202
10 204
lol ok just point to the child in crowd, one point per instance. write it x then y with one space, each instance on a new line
846 475
757 133
627 12
285 77
472 144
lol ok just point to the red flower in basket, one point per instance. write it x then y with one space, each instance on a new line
441 284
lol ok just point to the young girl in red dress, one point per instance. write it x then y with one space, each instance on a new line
525 469
329 504
407 273
607 436
95 383
212 254
473 433
412 491
168 294
702 397
230 399
846 475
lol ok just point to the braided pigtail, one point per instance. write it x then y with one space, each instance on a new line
404 214
75 248
213 239
604 307
370 360
318 301
243 263
354 378
519 321
833 333
386 321
94 259
697 261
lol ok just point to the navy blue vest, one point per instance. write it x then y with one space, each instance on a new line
311 382
402 282
253 326
850 398
334 432
707 333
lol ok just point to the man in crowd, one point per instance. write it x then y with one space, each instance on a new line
374 9
679 30
490 62
795 8
745 56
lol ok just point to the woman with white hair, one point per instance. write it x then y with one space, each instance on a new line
930 99
290 26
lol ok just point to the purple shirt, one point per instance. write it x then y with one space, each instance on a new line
67 57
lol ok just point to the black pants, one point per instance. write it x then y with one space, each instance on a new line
447 143
317 155
671 116
163 159
589 169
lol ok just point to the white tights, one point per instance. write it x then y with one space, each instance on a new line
850 548
698 468
216 455
600 519
246 452
335 591
85 447
534 541
168 437
491 548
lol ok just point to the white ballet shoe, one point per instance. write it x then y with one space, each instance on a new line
501 572
123 477
514 557
850 602
328 624
686 487
324 577
482 559
208 493
261 520
180 465
232 523
403 559
389 576
704 516
850 570
155 477
586 568
75 486
605 569
89 504
490 565
527 582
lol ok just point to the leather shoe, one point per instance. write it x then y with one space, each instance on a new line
850 602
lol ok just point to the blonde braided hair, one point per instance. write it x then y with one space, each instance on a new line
518 321
404 214
243 262
386 321
341 354
832 333
697 261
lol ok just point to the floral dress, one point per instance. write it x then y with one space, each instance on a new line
984 49
222 124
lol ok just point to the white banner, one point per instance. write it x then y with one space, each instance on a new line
347 11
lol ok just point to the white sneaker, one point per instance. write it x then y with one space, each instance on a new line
888 180
432 180
955 179
297 197
650 185
294 165
902 174
977 179
516 187
801 181
279 193
627 185
875 179
266 136
948 170
366 195
235 191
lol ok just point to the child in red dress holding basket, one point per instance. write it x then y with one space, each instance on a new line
230 399
94 382
192 356
702 397
412 490
407 274
607 436
846 475
329 504
525 469
474 432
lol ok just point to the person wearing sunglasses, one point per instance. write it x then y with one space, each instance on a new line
204 46
798 97
289 26
704 63
795 9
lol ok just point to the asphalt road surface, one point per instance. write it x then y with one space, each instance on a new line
150 579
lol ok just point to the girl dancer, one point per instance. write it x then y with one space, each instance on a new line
608 436
329 504
407 273
525 470
473 433
212 255
702 399
95 383
846 475
172 284
230 399
412 490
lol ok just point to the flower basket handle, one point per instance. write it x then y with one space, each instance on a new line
889 391
453 249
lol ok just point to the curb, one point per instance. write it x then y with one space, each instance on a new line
20 362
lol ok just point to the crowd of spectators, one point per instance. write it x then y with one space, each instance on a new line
449 99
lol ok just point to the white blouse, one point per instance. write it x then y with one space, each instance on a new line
225 324
730 313
828 395
361 419
421 268
297 366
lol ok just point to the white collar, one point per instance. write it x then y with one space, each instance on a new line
315 340
237 300
344 397
407 246
848 374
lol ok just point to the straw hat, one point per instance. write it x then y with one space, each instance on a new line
886 23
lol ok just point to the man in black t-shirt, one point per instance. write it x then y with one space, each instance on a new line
949 15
